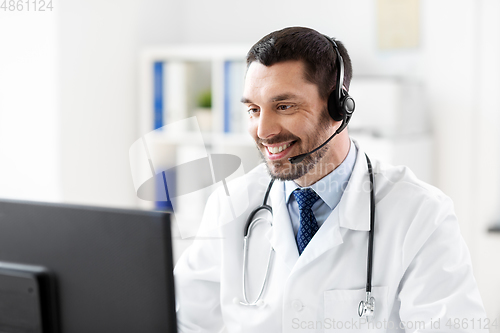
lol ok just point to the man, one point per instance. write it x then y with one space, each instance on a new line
422 275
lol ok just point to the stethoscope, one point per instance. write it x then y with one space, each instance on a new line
366 308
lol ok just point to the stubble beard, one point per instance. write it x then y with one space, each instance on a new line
284 170
288 171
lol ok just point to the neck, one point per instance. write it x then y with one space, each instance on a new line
338 149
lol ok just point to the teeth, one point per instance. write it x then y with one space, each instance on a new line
275 150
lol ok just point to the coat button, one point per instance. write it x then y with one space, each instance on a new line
297 305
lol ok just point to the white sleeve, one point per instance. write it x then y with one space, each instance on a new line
197 278
438 286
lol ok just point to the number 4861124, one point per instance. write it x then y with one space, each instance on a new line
26 5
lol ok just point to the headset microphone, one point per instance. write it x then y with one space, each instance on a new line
340 105
299 158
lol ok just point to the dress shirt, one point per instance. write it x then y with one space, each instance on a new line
330 189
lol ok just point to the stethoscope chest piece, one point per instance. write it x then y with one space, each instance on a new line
366 308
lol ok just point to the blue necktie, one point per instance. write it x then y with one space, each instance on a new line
308 225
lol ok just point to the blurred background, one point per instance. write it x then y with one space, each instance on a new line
80 83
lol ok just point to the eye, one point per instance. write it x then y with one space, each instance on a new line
284 107
252 111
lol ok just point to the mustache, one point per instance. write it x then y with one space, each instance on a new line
278 139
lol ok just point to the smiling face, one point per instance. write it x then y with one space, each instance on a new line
288 118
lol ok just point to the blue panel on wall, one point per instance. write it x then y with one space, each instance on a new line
158 95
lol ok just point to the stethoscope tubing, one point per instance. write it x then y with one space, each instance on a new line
248 228
372 231
245 255
256 210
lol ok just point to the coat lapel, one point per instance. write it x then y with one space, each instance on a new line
281 235
327 237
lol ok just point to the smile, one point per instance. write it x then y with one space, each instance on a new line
278 149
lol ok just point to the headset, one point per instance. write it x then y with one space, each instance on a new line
340 105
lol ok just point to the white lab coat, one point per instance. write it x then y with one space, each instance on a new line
422 273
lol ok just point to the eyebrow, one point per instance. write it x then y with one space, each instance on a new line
279 98
283 97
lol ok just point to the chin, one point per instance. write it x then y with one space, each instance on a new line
287 171
284 170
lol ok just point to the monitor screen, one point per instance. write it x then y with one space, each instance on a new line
109 270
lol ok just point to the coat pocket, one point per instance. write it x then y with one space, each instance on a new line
341 310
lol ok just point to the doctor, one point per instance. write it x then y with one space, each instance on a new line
317 242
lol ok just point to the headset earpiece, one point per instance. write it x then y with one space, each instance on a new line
333 109
347 106
341 111
340 105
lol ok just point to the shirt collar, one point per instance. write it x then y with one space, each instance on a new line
329 187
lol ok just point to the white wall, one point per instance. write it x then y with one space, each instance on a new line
29 118
486 155
99 44
98 52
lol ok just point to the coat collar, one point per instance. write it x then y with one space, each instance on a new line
354 207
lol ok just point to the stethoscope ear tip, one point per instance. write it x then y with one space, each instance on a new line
236 300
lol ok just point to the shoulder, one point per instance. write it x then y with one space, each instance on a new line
411 210
408 205
400 181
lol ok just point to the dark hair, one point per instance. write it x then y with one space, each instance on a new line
309 46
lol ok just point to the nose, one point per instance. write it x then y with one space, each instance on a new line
268 124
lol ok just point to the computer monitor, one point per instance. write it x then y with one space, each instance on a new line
90 269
